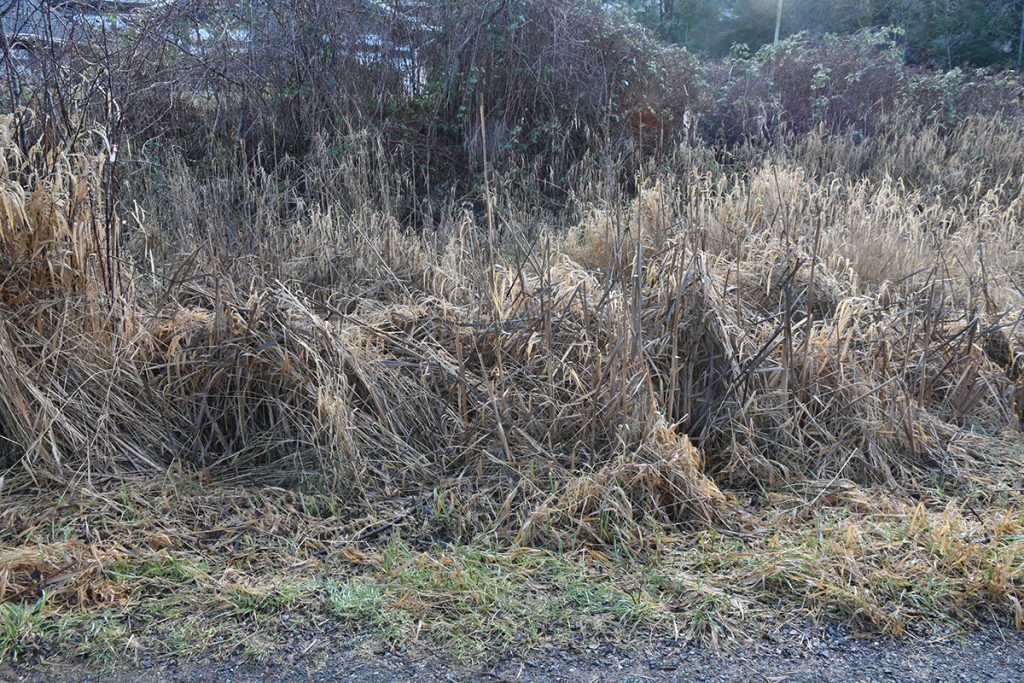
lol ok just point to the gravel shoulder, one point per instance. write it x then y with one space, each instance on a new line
798 654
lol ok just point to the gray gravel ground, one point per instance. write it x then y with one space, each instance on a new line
788 654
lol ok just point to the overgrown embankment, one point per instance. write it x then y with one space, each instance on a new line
776 361
640 381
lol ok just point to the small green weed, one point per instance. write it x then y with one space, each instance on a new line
21 626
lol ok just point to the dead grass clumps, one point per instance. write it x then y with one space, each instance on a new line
69 388
716 331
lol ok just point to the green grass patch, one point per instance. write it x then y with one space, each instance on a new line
881 568
474 598
21 627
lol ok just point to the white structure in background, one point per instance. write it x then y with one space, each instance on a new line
382 42
28 24
376 47
383 31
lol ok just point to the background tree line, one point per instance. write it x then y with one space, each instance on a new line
945 33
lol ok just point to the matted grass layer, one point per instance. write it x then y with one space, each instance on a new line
175 568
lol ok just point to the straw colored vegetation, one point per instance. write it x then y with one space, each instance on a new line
674 408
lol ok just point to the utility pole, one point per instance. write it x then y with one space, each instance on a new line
949 38
1020 45
778 22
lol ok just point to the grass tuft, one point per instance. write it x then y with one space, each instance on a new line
21 628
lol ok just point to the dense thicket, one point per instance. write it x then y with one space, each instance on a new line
544 83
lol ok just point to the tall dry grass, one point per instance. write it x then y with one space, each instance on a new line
552 377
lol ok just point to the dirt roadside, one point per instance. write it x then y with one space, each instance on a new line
799 654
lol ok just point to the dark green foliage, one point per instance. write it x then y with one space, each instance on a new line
857 84
943 33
